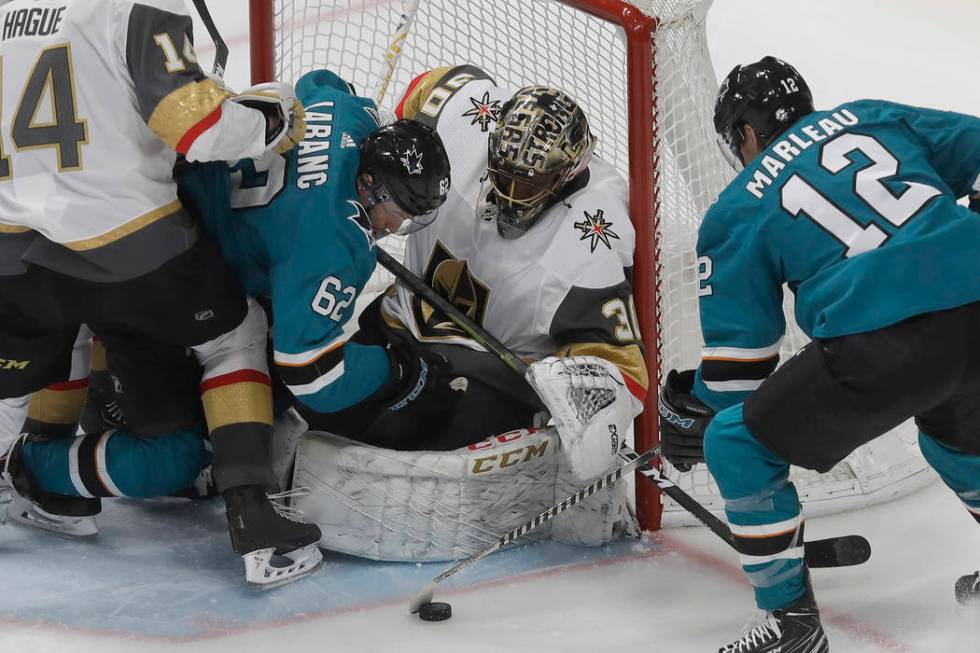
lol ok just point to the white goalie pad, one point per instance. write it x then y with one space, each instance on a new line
591 407
422 506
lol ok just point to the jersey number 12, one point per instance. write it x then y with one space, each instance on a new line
798 196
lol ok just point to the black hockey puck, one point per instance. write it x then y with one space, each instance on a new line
435 611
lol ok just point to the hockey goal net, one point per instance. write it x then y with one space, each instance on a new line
643 74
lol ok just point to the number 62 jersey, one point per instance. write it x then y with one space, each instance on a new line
855 210
292 230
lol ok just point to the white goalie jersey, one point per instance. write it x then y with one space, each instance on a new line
562 287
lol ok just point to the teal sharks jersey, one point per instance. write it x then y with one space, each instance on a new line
295 232
855 211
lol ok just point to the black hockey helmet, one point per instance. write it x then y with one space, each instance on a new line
408 165
769 94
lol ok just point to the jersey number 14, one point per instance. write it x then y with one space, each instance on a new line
798 196
51 79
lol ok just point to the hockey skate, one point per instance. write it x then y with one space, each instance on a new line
101 410
277 548
26 504
967 588
796 629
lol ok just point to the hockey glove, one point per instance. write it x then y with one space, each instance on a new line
683 421
284 118
975 203
591 407
423 383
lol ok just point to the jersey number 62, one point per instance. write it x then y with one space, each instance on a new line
332 298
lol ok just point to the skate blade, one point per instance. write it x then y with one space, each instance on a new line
260 574
26 513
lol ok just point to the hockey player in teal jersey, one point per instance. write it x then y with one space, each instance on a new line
855 211
299 230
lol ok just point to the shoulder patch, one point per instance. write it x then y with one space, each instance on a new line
484 111
596 229
429 92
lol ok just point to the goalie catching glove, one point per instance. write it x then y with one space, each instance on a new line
683 421
284 117
591 407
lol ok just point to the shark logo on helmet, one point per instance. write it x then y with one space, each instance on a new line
412 160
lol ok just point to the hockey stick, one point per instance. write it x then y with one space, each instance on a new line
471 328
635 461
842 551
397 45
220 47
839 551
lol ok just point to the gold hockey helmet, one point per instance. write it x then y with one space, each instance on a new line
541 142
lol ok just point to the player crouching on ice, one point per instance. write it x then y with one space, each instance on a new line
299 230
856 210
535 244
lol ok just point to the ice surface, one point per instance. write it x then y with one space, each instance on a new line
161 577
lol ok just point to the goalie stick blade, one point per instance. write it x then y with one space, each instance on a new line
843 551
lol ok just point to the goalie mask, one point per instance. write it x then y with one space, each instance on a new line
541 142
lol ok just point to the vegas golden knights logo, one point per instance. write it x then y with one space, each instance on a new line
451 278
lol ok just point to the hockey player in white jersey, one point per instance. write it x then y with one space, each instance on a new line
99 97
534 243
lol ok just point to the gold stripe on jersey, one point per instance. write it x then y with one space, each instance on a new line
99 363
58 406
182 109
237 403
126 229
12 229
417 96
628 358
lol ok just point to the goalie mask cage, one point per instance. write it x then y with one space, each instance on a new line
643 75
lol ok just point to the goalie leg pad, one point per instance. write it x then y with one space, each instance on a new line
424 506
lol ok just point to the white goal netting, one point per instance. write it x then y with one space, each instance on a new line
560 42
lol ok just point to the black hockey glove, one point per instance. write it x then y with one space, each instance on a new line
422 382
683 421
975 203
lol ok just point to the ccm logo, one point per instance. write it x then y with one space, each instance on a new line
672 417
11 364
509 458
503 438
